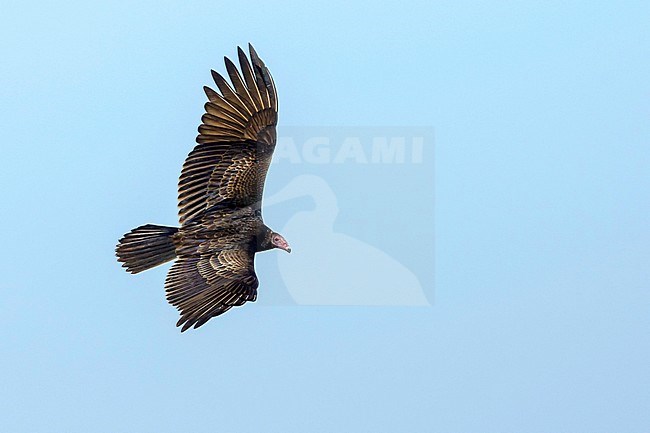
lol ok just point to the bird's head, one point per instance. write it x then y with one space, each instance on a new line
267 239
278 241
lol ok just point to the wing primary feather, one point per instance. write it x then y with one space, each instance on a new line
261 74
229 94
220 107
239 85
211 94
249 76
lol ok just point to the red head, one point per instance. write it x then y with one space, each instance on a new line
280 242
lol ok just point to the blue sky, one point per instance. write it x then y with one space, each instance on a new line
538 218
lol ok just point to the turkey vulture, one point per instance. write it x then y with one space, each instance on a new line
219 199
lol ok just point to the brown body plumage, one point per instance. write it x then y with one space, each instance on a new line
219 198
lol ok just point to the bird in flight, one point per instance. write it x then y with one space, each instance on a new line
219 199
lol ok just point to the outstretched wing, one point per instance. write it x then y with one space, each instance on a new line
236 141
205 286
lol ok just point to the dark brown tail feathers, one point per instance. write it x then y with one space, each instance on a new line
145 247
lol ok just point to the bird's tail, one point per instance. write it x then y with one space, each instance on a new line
145 247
